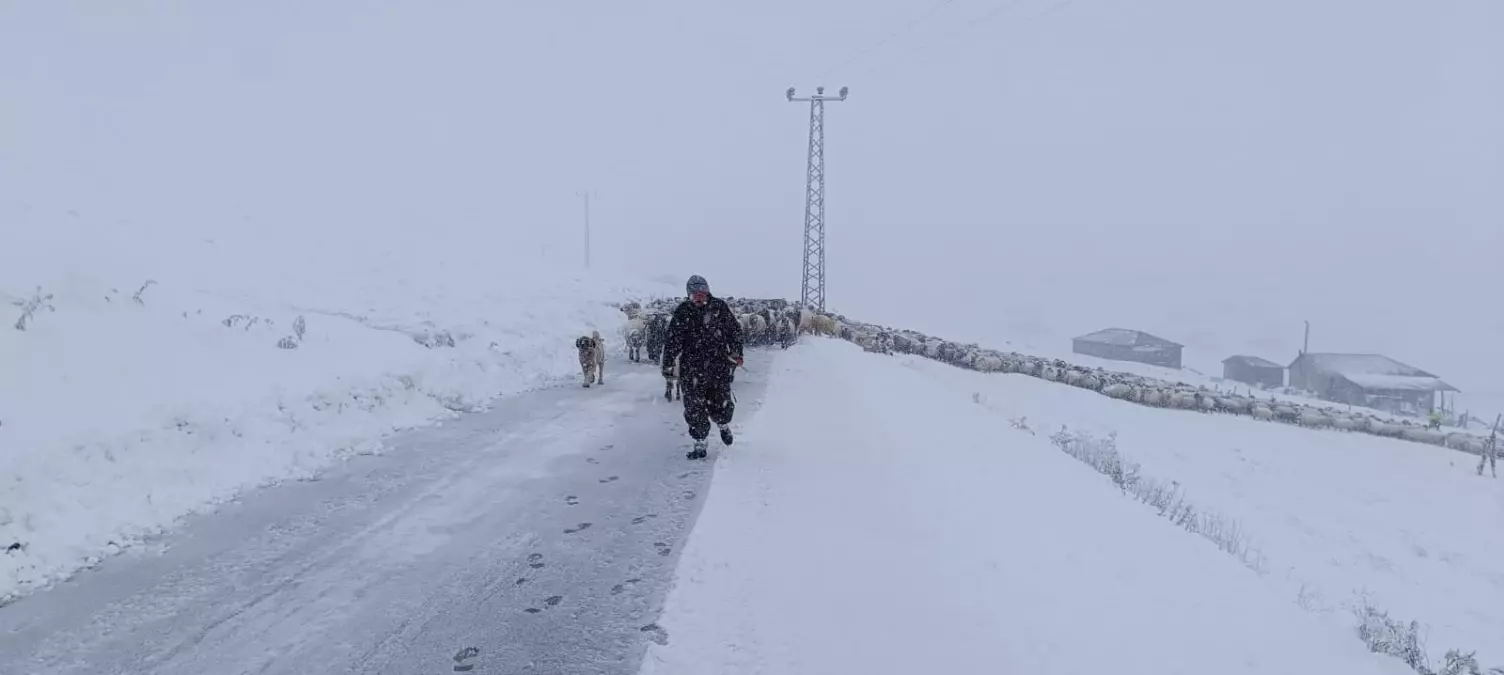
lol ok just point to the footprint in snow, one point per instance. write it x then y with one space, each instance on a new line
465 655
553 600
639 519
617 589
578 528
535 560
592 460
572 500
688 494
610 479
663 549
532 610
521 581
655 633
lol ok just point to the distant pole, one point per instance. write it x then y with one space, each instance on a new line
1307 346
812 288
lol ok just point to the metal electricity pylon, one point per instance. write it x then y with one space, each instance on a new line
812 290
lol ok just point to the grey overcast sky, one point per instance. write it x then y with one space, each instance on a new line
1214 172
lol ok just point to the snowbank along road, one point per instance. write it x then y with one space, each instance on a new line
537 537
874 519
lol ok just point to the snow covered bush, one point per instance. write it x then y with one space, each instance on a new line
1401 640
1166 498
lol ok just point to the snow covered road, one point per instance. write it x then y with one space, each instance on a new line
537 537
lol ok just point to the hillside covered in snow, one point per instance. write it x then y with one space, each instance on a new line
892 514
156 377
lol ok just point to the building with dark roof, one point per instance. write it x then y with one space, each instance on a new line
1253 370
1122 344
1368 380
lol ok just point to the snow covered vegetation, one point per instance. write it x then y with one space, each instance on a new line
142 379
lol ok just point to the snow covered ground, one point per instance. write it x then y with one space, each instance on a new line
118 417
1335 515
875 517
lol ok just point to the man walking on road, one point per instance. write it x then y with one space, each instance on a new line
707 341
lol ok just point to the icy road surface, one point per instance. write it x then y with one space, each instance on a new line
537 537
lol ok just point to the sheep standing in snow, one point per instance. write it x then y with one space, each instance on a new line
657 330
636 329
672 388
787 333
757 332
1313 419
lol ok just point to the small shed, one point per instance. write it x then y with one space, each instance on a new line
1369 380
1253 370
1123 344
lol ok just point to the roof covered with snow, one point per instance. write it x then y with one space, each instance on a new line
1359 364
1398 383
1375 371
1124 337
1252 361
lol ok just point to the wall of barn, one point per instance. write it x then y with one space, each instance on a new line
1239 371
1164 356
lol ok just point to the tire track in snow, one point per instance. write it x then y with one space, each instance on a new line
540 536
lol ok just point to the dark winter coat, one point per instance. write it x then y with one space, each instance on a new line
657 327
704 339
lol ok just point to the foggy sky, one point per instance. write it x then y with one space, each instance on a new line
1211 172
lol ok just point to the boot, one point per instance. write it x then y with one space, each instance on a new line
700 449
726 434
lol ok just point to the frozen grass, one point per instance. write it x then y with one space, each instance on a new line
1380 633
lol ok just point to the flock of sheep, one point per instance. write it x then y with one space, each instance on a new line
763 319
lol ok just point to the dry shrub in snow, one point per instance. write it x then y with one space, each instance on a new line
1380 633
142 289
30 307
1167 498
1387 636
299 327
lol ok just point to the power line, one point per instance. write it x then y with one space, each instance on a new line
951 37
933 10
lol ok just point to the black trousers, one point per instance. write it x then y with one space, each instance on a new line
706 399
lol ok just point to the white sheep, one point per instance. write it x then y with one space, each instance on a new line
827 326
1262 412
1314 419
1233 404
1118 390
1423 435
1466 443
1378 427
